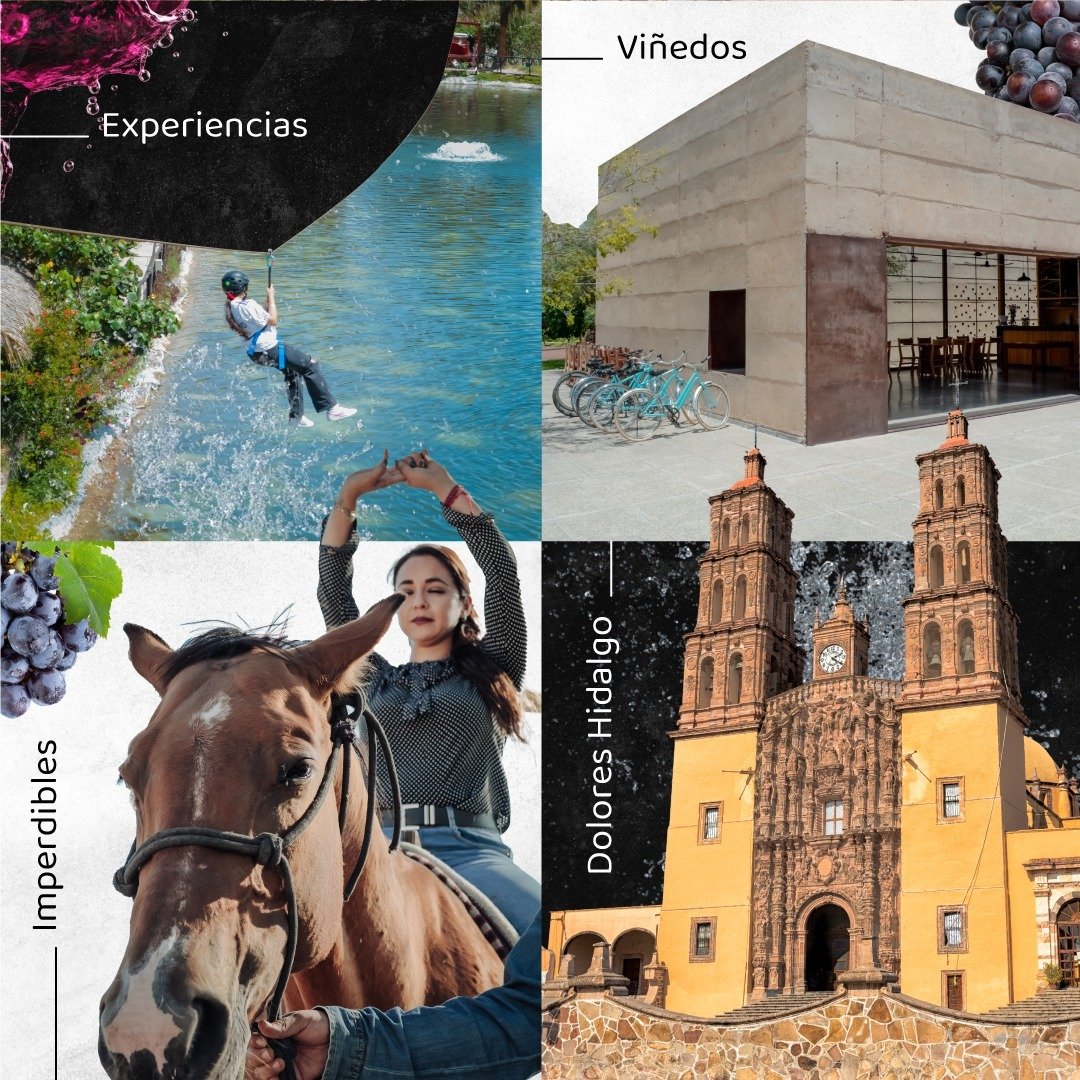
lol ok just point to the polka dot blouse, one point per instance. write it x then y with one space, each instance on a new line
447 746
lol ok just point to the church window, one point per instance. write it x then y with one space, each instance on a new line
950 799
937 568
952 929
744 529
931 651
725 535
961 491
963 563
709 823
703 939
705 683
965 648
740 598
952 990
834 817
734 679
717 600
773 684
939 495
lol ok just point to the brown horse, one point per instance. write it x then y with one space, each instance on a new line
240 742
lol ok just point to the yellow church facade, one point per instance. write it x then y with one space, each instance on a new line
852 831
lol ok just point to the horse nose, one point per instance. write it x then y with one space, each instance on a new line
179 1034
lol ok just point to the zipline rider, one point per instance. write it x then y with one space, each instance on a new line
258 327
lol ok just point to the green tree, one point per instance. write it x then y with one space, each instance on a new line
569 254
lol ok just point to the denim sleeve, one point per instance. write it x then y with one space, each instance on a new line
495 1036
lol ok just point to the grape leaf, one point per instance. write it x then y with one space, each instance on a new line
89 581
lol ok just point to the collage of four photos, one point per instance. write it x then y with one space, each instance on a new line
540 539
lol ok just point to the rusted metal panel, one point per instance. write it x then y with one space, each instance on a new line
847 375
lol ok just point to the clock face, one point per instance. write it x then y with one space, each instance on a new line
832 658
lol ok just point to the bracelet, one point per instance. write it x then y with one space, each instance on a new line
351 514
454 492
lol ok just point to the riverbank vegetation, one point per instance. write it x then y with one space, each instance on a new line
83 349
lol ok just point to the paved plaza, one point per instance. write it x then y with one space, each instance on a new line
600 487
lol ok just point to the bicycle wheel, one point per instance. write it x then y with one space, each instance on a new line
583 398
638 414
602 408
711 406
564 385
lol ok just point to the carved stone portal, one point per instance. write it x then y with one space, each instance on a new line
827 833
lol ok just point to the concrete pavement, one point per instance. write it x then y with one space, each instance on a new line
599 487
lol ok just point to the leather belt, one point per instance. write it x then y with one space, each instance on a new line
417 815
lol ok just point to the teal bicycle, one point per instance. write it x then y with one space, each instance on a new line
639 413
595 405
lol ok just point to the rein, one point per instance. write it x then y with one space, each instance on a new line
268 849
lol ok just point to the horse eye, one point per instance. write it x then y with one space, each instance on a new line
294 773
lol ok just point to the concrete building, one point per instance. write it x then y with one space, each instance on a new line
792 207
850 832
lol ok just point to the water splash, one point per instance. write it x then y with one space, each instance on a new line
465 153
55 46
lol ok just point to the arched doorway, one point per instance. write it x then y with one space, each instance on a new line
827 946
580 947
629 955
1068 939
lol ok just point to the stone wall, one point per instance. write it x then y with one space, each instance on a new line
884 1036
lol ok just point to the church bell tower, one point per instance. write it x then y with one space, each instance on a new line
742 649
841 645
960 629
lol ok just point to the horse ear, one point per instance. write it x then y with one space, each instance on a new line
147 652
332 662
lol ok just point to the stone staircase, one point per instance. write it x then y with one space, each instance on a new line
1048 1008
758 1012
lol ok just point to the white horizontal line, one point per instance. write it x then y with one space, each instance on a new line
44 136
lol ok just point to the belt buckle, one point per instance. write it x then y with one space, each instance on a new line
427 815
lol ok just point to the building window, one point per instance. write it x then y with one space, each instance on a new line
727 330
702 940
952 990
717 601
951 799
961 491
937 568
734 679
834 817
932 651
744 529
939 495
709 817
705 683
965 648
725 534
951 929
963 563
740 599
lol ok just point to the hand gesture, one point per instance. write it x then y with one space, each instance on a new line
364 480
310 1032
422 471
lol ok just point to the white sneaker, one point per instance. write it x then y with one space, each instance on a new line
340 412
301 421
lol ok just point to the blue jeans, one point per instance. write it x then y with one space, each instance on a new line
483 860
495 1036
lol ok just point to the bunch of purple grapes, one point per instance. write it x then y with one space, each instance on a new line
39 646
1032 53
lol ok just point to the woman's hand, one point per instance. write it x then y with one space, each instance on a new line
342 513
310 1032
422 471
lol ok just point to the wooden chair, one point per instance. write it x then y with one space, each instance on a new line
908 356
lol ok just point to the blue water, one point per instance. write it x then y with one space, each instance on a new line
420 295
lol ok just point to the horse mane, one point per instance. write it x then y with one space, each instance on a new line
226 641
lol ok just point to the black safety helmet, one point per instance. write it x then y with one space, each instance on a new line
234 281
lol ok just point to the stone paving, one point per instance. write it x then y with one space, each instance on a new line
600 487
881 1036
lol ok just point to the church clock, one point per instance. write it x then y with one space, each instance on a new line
832 658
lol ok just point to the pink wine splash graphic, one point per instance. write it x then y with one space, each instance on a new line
52 46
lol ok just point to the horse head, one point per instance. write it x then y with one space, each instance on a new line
238 746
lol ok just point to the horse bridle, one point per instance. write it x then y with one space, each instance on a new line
268 849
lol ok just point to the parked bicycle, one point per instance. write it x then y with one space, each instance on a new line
639 413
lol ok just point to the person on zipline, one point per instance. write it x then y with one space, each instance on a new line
258 327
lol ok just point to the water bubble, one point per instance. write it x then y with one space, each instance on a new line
166 41
113 88
68 166
176 55
144 75
92 106
190 68
89 145
224 33
188 16
94 86
183 29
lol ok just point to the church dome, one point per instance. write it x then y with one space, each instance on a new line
1038 762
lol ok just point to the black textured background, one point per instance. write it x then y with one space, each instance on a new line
656 590
361 73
